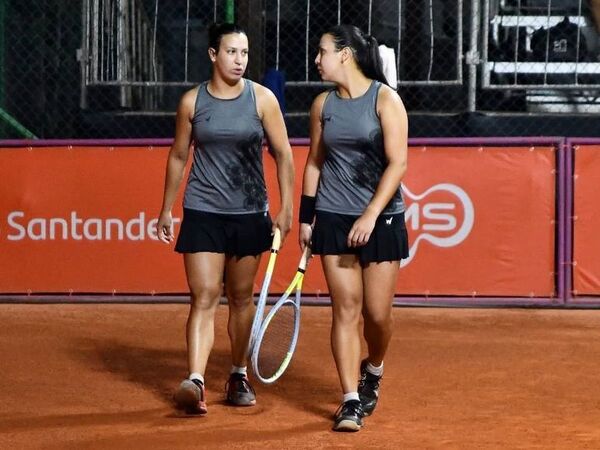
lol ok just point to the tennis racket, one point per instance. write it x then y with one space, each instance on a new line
264 291
278 335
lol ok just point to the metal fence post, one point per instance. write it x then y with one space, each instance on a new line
472 58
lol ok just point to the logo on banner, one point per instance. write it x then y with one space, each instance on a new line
443 215
74 227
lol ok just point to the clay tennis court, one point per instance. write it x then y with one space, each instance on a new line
102 376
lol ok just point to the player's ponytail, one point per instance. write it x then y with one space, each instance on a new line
364 47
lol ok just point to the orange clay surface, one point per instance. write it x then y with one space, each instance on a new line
102 376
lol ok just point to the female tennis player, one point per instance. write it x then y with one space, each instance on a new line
226 225
351 189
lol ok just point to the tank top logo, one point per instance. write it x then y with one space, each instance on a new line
443 215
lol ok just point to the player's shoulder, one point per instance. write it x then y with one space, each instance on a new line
386 93
188 99
187 102
265 98
322 96
389 100
262 92
319 101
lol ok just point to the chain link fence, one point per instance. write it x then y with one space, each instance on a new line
116 68
542 56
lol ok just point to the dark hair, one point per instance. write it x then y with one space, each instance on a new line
364 47
218 30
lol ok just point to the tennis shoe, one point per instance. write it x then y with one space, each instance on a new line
191 397
239 390
349 416
368 389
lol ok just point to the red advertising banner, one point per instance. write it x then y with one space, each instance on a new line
481 222
586 223
82 220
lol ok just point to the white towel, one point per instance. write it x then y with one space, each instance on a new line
388 59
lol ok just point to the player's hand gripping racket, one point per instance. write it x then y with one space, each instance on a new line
264 291
276 341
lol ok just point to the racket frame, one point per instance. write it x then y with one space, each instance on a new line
296 285
264 291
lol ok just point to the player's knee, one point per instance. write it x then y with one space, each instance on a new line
379 319
239 298
205 297
347 312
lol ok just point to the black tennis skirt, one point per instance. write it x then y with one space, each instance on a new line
230 234
388 241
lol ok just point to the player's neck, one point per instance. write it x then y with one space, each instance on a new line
220 88
353 85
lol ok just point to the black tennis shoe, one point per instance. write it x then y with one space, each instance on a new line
239 390
349 416
368 389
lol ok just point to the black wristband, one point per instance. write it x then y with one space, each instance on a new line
307 209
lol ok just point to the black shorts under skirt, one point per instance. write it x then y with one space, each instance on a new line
230 234
388 241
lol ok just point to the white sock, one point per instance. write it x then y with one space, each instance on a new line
350 396
196 376
236 369
374 369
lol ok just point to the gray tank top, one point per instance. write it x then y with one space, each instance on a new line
227 172
355 157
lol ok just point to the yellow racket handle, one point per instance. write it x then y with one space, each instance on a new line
297 281
274 249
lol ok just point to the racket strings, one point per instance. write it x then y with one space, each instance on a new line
276 340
